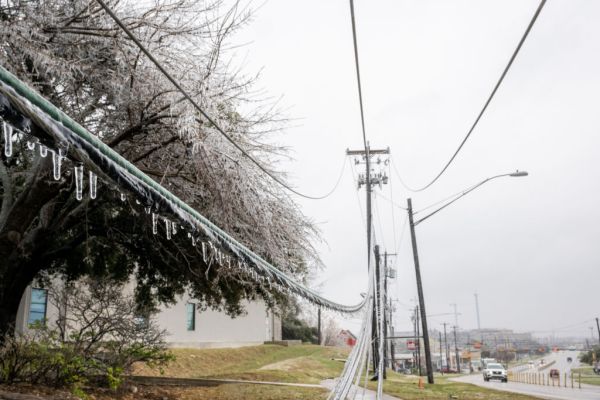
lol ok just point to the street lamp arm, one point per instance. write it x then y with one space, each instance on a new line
513 174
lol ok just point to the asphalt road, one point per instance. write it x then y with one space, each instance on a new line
587 392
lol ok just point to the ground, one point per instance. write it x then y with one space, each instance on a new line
296 364
587 375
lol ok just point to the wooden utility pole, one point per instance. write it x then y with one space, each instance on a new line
446 347
369 180
319 326
389 273
456 351
598 326
420 293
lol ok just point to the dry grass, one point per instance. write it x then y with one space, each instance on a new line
406 388
294 364
587 376
223 392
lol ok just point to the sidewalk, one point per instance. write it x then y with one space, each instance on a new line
368 394
160 380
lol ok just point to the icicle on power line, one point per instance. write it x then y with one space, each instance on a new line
174 228
43 151
30 145
168 226
93 185
154 223
78 182
56 164
123 197
8 131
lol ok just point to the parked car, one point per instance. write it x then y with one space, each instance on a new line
495 371
447 370
569 359
597 368
554 373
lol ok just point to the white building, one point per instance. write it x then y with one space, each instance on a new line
187 327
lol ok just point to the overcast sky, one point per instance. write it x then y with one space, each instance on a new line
528 246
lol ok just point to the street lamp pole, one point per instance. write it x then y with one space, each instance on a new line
420 294
414 223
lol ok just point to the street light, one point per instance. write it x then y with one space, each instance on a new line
418 269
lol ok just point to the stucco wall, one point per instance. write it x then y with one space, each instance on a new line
213 329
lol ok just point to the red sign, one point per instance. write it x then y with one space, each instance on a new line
410 345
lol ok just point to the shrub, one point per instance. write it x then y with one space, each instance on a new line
99 334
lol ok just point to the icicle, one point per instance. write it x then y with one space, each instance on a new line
204 258
137 202
93 184
56 164
147 209
154 223
168 226
193 241
8 131
30 145
43 150
189 235
174 228
123 197
78 182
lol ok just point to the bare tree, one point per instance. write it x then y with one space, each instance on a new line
75 56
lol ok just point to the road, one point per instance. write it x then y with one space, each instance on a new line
587 392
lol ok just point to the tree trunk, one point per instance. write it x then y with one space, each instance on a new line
16 277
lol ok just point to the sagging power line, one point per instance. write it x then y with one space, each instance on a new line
189 98
485 106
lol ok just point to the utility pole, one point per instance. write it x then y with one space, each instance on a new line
418 341
478 321
319 326
369 180
455 313
389 273
392 346
415 312
446 347
598 326
441 353
456 351
374 324
420 293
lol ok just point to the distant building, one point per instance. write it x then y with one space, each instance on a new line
344 338
187 327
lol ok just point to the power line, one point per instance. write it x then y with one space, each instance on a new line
485 106
446 199
356 62
392 202
200 110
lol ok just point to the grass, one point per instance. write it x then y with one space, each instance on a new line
301 364
406 387
223 392
294 364
587 375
